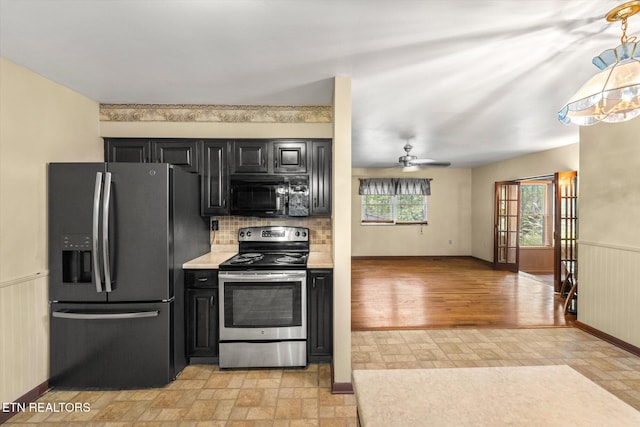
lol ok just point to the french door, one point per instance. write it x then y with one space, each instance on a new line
507 226
566 227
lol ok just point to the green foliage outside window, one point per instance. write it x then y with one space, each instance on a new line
532 214
377 209
394 209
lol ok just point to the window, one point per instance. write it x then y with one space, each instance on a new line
400 209
394 200
535 219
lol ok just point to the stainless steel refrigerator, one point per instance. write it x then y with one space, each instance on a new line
118 235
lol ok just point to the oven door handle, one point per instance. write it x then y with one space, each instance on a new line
263 276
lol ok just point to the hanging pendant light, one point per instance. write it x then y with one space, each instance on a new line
612 95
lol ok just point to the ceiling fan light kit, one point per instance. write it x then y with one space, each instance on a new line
612 95
411 163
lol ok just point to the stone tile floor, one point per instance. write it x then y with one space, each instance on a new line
614 369
205 396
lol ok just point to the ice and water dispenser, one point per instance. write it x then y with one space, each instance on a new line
76 258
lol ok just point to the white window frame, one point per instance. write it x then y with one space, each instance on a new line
394 212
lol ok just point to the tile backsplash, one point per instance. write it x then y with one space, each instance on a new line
319 228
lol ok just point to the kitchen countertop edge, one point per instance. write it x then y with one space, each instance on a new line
212 260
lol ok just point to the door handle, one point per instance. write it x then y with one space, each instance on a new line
79 315
94 231
106 199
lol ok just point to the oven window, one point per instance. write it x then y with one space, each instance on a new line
276 304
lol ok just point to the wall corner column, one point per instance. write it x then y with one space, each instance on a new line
341 222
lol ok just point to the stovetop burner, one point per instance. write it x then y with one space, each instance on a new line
290 259
245 258
270 247
266 260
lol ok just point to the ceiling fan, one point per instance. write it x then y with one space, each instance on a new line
410 162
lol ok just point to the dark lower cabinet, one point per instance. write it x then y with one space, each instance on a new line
202 315
320 315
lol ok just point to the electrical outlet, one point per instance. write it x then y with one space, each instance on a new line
214 225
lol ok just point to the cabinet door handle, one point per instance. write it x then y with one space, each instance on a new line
314 283
211 301
203 279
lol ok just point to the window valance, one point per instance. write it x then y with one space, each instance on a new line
393 186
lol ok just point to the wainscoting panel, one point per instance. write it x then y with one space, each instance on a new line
609 289
24 328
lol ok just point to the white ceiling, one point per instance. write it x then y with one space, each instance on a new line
466 81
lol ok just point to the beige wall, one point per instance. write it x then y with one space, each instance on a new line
608 230
448 212
341 219
482 198
40 122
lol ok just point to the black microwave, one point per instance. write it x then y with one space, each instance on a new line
269 196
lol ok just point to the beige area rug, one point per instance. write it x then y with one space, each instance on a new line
501 396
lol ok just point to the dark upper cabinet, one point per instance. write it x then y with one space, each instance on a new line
214 178
320 315
127 150
177 152
320 179
289 157
250 156
215 159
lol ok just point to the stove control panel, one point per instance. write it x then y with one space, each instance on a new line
273 234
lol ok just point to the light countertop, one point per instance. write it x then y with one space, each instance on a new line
208 261
320 260
212 260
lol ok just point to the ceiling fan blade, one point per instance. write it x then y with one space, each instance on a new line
421 161
435 165
429 163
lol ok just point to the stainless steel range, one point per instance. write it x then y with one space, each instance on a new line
263 302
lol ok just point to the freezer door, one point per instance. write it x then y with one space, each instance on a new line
74 250
111 346
138 232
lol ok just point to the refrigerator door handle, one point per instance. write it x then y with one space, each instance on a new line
79 315
106 201
96 221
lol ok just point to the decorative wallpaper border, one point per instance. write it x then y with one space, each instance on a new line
215 113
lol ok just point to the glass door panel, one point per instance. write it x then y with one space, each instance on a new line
506 224
566 227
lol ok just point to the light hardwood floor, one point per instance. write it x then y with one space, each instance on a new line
448 292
